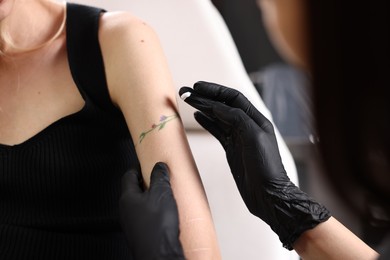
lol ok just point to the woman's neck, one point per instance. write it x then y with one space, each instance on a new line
32 23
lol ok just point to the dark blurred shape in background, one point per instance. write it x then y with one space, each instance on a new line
285 91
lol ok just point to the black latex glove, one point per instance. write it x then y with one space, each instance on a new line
252 152
150 218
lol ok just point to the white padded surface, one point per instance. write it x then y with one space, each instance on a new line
240 234
199 46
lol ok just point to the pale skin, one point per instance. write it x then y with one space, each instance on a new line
286 24
139 83
143 64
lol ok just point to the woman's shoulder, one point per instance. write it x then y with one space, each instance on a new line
122 34
129 45
123 26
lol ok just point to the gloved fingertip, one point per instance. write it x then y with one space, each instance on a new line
160 173
201 117
184 89
185 95
130 175
200 82
199 85
211 125
197 113
163 167
131 179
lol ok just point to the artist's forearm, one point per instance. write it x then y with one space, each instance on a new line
331 240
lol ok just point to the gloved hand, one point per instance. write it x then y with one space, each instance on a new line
150 218
252 152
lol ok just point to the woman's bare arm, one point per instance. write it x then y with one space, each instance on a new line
331 240
140 84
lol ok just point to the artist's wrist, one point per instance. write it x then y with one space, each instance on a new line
292 212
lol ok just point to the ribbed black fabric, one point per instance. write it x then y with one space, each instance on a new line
59 190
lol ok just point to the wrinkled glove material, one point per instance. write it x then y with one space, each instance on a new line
253 155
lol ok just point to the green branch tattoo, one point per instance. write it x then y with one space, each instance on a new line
160 125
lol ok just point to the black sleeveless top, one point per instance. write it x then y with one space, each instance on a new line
59 190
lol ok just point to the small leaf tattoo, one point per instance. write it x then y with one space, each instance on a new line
160 125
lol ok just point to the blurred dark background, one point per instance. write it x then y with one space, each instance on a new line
244 21
285 91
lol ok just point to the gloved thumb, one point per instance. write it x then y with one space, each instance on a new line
159 177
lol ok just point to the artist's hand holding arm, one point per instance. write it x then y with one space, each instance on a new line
253 156
149 217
